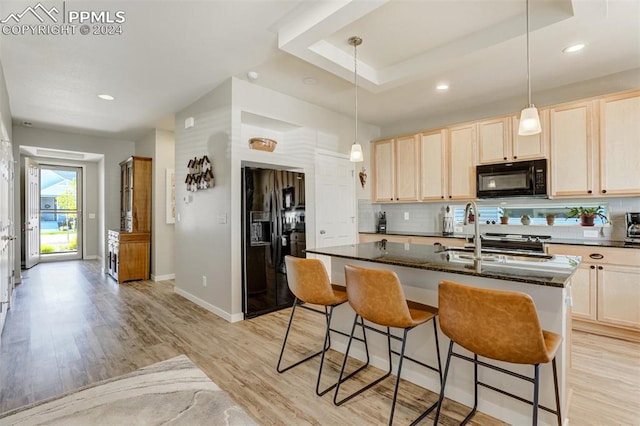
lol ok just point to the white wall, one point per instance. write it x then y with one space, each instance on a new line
160 145
107 170
224 121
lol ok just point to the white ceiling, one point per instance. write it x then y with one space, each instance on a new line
172 52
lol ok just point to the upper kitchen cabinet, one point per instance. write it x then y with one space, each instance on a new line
499 141
572 150
620 144
396 169
433 165
462 162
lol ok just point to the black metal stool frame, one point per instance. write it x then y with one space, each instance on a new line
390 351
328 313
535 380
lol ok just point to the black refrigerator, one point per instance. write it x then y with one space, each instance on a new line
273 226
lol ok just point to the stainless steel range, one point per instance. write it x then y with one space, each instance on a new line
515 242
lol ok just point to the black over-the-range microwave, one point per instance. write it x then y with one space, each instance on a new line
520 179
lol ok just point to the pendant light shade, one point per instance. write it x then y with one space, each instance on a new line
356 155
529 118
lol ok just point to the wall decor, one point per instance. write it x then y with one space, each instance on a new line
200 174
363 177
170 191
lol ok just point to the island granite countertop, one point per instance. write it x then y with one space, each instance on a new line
553 240
553 271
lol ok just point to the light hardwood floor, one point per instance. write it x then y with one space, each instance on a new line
72 326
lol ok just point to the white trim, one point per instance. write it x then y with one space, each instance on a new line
209 307
90 257
163 277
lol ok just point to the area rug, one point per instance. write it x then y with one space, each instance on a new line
172 392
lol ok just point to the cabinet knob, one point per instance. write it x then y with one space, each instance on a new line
604 191
450 196
442 196
600 268
592 267
515 157
504 158
589 192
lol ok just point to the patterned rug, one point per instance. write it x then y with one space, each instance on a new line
172 392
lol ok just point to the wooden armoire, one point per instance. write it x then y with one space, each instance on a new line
129 247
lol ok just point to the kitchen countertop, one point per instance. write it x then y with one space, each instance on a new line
553 240
555 272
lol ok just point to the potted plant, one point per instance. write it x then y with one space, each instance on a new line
588 215
551 218
504 216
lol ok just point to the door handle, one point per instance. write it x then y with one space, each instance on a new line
322 232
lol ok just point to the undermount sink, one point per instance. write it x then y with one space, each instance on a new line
494 256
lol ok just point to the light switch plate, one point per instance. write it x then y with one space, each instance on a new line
406 215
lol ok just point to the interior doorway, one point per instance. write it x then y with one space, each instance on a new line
60 212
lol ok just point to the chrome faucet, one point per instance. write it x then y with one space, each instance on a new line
477 254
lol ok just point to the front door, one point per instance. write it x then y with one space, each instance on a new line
31 213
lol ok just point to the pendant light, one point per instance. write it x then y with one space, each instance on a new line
529 118
356 155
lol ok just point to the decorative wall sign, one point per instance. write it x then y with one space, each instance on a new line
200 174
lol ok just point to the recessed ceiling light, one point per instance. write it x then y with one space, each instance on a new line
574 48
442 86
106 97
310 81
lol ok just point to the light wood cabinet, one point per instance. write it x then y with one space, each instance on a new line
572 150
445 241
433 165
129 247
605 289
371 238
499 141
494 141
396 165
462 162
620 144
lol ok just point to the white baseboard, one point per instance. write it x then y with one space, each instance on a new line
209 307
163 277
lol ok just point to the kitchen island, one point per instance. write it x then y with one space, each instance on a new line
547 279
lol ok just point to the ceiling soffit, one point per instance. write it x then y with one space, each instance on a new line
440 35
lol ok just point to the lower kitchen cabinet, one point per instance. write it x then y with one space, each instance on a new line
606 290
129 254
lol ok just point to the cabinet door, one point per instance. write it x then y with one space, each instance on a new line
583 285
407 162
619 295
531 146
433 156
383 184
620 144
494 141
572 162
462 162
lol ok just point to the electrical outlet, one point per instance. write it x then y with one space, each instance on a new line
406 215
204 281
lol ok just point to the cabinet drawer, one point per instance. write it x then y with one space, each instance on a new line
605 255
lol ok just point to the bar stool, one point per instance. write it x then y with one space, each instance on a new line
309 283
499 325
377 296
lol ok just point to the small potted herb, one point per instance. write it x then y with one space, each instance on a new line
588 215
504 216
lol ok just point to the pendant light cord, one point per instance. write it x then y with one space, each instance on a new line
528 59
355 81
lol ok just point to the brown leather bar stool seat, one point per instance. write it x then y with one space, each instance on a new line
310 284
377 297
499 325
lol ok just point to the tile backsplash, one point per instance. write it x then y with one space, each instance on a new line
427 217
